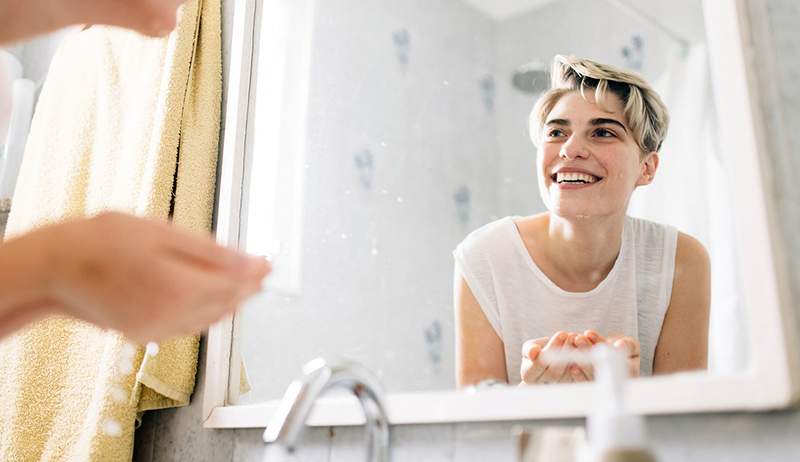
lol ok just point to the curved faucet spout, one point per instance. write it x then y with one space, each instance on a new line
318 377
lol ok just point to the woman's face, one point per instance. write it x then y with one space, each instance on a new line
588 161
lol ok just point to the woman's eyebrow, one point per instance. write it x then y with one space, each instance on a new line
604 121
563 122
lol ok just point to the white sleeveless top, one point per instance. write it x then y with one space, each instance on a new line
522 303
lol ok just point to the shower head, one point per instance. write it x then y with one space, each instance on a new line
532 77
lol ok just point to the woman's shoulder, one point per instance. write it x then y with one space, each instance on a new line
691 254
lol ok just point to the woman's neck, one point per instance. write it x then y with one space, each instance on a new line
581 252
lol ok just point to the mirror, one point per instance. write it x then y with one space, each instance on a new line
381 135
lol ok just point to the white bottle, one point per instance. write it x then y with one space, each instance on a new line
614 434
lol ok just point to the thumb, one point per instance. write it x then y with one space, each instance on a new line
531 350
627 344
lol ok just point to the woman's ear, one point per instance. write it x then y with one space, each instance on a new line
648 165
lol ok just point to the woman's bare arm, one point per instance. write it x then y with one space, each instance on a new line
24 19
683 343
22 284
480 354
147 278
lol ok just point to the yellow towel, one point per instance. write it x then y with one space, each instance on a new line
124 123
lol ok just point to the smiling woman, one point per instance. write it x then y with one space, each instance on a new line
583 272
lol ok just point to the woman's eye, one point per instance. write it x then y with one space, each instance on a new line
555 132
604 133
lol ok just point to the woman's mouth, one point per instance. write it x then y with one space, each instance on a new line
571 180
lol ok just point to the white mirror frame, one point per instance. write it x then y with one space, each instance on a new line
769 382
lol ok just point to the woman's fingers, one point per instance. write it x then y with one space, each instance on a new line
531 351
538 368
555 371
577 374
584 370
528 345
532 368
570 370
628 345
204 251
593 336
556 341
631 348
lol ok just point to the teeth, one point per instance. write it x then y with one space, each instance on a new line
574 177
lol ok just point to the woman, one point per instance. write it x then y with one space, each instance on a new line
583 272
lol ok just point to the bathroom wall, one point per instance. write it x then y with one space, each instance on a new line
735 437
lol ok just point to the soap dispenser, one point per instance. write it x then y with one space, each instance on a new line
614 435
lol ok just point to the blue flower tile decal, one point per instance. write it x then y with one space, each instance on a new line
488 91
365 167
433 340
402 43
463 204
633 54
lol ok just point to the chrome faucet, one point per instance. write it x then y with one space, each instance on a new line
318 377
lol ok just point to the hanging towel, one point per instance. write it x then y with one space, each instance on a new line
125 123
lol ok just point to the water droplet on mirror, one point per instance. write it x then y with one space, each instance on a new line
125 366
374 251
112 428
383 144
384 192
128 351
344 236
400 199
118 395
507 180
445 82
152 349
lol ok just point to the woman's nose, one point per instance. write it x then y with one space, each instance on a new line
572 149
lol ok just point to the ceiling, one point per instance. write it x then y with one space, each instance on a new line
504 9
684 17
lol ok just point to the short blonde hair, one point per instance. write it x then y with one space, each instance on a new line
644 111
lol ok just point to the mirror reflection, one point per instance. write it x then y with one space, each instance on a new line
451 189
